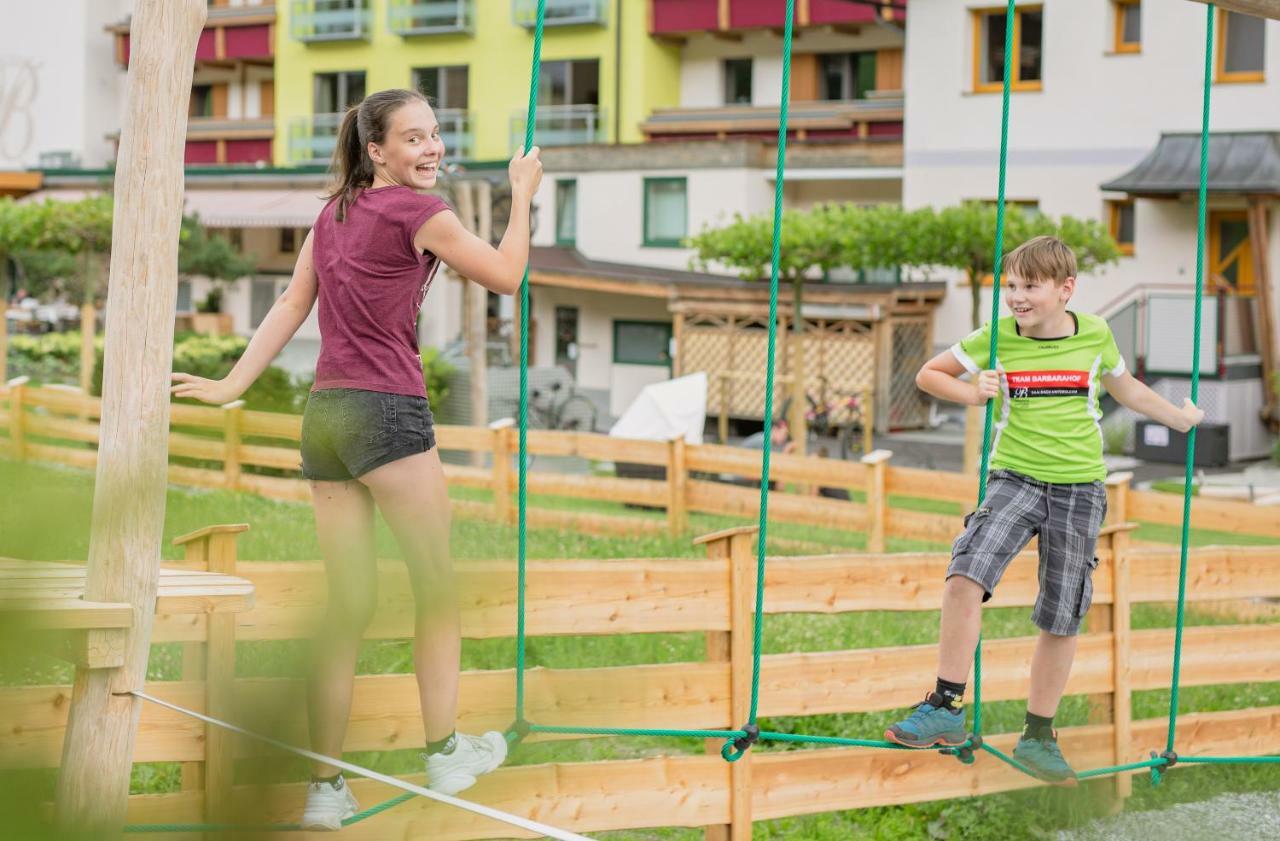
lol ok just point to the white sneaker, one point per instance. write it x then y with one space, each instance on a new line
328 805
450 773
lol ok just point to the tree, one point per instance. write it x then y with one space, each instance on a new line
963 237
213 257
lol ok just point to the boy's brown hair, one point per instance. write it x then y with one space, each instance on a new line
1041 258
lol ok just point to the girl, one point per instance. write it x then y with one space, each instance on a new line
367 435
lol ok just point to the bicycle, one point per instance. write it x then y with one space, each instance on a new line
843 418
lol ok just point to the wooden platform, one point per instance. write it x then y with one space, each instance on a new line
48 596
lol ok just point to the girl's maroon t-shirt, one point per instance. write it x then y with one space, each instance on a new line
372 281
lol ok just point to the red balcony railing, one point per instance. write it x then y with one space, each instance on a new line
236 33
680 17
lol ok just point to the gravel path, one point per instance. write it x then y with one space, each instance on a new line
1230 817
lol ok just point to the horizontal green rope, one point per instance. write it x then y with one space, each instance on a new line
1229 760
1120 769
636 731
281 827
1004 757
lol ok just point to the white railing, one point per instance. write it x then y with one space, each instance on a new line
561 125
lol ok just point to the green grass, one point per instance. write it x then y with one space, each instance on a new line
51 516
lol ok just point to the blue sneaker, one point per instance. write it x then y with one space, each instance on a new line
1044 759
929 726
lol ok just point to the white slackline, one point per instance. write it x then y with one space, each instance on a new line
504 817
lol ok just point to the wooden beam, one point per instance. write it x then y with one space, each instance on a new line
638 289
1260 8
1259 242
129 491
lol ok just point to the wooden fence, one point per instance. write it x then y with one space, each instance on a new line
58 424
712 597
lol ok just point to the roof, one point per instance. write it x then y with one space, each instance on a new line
1239 162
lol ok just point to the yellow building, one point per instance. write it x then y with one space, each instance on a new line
602 73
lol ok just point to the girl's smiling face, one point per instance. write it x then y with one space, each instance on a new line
412 151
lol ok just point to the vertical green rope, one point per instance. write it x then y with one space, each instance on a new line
1195 372
995 320
530 119
773 331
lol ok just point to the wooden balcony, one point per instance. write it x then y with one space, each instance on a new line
680 18
870 119
231 34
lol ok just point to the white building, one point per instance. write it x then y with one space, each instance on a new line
1097 84
59 100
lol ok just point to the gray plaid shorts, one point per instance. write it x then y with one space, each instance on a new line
1066 518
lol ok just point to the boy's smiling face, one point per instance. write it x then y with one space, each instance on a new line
1039 305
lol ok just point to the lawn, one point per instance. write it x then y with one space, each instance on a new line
47 515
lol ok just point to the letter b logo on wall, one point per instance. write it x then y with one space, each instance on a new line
18 86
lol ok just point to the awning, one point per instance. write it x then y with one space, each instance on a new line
255 208
248 208
1239 162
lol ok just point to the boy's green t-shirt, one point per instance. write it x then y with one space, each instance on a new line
1048 415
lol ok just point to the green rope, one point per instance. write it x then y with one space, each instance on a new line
1195 374
993 347
281 827
522 553
775 261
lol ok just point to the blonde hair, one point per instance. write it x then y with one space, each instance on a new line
1041 258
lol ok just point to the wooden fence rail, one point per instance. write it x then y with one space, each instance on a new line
712 597
58 424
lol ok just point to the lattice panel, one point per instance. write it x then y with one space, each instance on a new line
908 407
706 349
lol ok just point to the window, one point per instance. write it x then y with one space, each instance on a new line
569 83
642 343
567 213
262 296
567 338
1121 213
184 296
1241 47
336 92
847 75
666 212
988 49
201 101
737 81
288 240
1128 17
446 87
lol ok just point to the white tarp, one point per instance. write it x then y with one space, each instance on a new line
667 410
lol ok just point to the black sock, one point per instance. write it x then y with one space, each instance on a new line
335 780
445 745
1038 727
947 694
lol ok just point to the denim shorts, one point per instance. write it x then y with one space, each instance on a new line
346 432
1065 517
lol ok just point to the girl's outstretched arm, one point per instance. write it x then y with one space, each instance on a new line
284 319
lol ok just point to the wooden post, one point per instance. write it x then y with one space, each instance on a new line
677 483
477 318
882 337
877 464
723 426
231 418
503 469
129 491
1259 242
88 342
737 546
868 421
1122 696
214 662
17 416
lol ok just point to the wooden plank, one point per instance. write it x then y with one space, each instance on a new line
64 614
196 476
606 488
190 446
918 525
270 425
55 427
473 438
185 414
932 484
714 458
626 597
693 790
86 459
1213 573
467 476
729 500
276 487
58 400
1216 514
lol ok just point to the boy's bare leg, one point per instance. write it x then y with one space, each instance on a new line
961 627
1050 668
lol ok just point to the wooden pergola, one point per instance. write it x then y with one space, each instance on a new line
1261 8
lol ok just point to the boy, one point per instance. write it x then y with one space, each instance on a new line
1046 481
